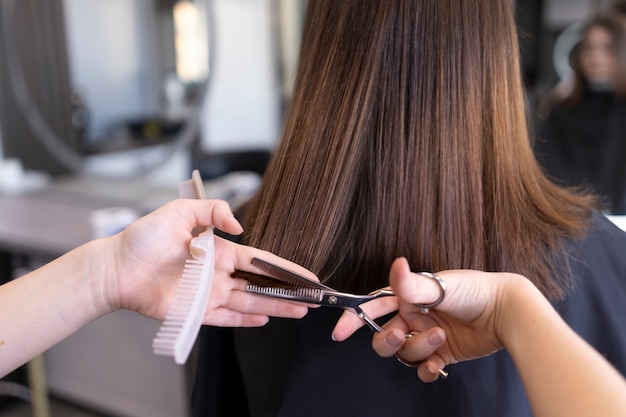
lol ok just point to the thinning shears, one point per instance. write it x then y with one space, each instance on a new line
288 285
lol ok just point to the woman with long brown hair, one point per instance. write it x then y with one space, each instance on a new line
583 138
407 136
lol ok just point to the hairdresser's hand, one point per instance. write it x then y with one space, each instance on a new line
466 325
147 261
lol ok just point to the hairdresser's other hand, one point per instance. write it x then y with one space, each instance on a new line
464 326
147 261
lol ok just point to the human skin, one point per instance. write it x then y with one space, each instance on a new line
138 269
485 312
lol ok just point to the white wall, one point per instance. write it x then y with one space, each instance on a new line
243 107
111 60
561 13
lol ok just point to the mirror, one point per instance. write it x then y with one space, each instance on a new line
137 72
135 68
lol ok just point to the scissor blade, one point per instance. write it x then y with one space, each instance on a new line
313 295
260 280
292 278
306 295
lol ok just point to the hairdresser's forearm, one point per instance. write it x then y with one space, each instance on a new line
44 307
562 374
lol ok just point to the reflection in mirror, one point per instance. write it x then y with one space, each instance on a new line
90 77
135 69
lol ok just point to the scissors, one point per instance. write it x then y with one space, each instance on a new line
288 285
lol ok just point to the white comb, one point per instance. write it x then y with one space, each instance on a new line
179 331
192 188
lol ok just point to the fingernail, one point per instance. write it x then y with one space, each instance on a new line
393 340
235 221
332 336
434 338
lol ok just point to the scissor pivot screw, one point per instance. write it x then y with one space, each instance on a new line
332 299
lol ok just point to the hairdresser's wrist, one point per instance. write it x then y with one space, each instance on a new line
518 303
103 270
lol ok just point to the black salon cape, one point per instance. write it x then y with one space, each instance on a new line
586 145
292 368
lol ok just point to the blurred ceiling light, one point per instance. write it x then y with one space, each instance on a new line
191 43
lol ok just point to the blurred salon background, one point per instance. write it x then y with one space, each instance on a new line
105 106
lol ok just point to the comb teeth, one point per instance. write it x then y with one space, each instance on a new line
192 188
181 325
186 292
179 330
186 189
298 294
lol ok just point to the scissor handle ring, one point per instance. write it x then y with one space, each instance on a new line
410 364
417 364
442 292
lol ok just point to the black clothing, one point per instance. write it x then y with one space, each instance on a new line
586 144
292 368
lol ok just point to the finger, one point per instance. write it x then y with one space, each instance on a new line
244 255
429 371
220 216
412 288
422 345
243 302
224 317
349 322
388 343
230 256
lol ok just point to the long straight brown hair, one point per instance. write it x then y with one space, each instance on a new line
407 136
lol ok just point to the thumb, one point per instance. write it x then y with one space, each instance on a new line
411 287
220 216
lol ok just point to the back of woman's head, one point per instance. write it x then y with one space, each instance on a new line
406 136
